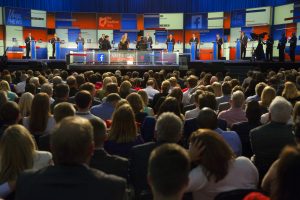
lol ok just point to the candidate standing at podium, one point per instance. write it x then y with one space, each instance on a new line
105 45
124 43
28 40
80 39
172 40
196 41
244 42
101 40
53 41
281 47
149 40
219 41
269 49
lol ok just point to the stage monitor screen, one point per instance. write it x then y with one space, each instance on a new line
258 16
215 20
284 14
38 18
173 21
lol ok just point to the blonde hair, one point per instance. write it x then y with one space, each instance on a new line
18 140
123 128
217 87
144 96
123 39
25 104
4 86
290 90
267 96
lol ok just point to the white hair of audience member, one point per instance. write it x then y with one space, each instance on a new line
280 110
47 88
34 81
237 99
24 77
57 80
169 127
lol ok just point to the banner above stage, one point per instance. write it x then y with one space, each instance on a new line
17 16
109 21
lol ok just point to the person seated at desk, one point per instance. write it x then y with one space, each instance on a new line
105 45
124 43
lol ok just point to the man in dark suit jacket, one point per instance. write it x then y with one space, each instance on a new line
71 178
244 42
170 40
105 45
102 160
219 41
169 130
80 39
28 44
281 47
53 40
268 140
101 40
293 45
148 39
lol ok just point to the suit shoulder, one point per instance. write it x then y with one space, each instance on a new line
110 179
144 146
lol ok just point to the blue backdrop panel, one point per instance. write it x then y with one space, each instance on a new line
141 6
196 21
277 30
247 31
161 36
151 21
129 22
41 53
17 17
210 35
73 34
63 20
238 18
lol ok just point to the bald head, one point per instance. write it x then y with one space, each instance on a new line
207 118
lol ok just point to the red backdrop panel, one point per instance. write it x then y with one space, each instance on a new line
109 21
84 20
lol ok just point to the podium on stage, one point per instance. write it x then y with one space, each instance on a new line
215 51
193 51
79 46
238 50
170 47
148 45
33 49
57 49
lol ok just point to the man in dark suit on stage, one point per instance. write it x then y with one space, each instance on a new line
244 42
72 147
281 47
101 40
53 40
148 39
219 41
293 44
28 40
269 50
196 40
102 160
105 45
170 39
80 39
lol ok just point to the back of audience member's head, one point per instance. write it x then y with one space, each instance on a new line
296 112
165 86
72 141
25 104
216 156
80 80
71 81
113 98
111 88
3 98
63 110
226 88
177 93
30 88
253 112
207 118
290 91
144 96
168 171
62 91
259 88
123 127
192 81
47 88
10 113
237 99
170 104
125 89
57 80
288 175
17 139
136 102
280 110
267 96
83 99
207 99
90 87
217 87
150 82
4 86
99 128
169 128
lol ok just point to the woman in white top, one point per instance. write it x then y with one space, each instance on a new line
18 152
40 121
218 170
